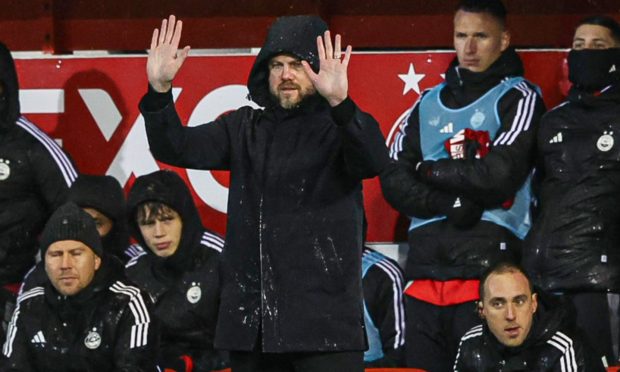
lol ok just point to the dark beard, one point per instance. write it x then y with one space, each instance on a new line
275 100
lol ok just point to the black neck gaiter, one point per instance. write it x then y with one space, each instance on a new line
594 69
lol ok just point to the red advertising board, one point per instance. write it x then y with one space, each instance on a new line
91 106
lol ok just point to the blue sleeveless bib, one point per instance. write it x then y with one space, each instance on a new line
439 123
375 347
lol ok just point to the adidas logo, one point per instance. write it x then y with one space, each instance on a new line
557 138
449 128
457 203
612 69
38 339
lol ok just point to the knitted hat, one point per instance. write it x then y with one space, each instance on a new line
70 222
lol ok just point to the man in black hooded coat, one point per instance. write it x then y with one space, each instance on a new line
291 269
184 286
35 176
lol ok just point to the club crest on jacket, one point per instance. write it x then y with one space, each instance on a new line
194 293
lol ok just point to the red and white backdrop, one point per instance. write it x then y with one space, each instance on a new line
90 105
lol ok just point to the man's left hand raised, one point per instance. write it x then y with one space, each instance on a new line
331 82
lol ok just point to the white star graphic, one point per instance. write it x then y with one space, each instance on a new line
411 80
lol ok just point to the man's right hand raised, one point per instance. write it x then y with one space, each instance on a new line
165 58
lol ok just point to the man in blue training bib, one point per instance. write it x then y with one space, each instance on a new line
460 170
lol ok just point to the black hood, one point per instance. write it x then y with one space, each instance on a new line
8 77
295 35
105 194
168 188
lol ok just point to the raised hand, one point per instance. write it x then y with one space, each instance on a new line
165 58
331 82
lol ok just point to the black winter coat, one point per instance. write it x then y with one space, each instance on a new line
552 345
105 327
442 250
292 262
35 176
575 242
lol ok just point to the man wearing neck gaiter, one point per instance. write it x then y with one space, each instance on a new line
461 170
574 247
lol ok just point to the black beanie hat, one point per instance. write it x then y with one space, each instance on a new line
103 193
70 222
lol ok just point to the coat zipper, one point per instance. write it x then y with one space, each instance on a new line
260 252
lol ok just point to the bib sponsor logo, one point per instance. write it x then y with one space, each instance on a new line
477 119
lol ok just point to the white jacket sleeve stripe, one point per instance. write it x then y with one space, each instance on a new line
64 164
399 311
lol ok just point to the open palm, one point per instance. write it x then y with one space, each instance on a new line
165 58
331 81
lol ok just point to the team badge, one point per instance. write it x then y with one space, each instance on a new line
194 293
605 142
5 169
92 340
477 119
433 122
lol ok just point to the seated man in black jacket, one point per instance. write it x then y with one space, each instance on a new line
178 268
521 332
85 318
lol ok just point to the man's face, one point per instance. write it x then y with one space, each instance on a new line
161 232
103 223
70 266
508 307
479 40
288 82
593 37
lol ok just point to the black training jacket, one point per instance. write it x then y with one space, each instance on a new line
106 327
35 176
184 287
575 242
552 345
439 250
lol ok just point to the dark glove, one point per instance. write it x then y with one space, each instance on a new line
424 169
180 364
464 213
460 211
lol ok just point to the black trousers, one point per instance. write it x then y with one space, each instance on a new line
256 361
594 319
434 332
7 305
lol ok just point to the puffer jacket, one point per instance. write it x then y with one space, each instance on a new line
441 250
575 242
